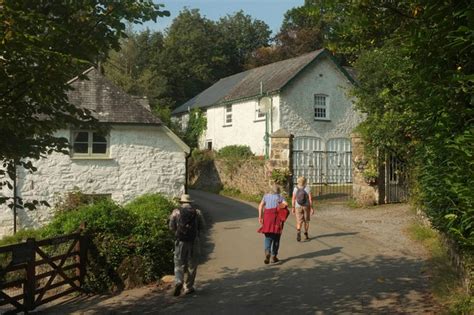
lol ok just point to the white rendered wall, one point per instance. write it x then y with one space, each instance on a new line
297 103
245 129
142 160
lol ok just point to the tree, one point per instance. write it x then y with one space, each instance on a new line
416 87
43 44
191 59
240 36
304 29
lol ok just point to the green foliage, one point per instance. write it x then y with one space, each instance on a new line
415 87
233 156
39 55
195 127
370 172
281 176
235 152
131 245
445 281
76 198
240 36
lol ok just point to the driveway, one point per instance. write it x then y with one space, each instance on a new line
357 261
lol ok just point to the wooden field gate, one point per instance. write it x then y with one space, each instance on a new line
41 271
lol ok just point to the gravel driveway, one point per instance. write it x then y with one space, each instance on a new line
357 261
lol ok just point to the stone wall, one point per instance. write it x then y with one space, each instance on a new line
252 176
364 193
141 160
249 176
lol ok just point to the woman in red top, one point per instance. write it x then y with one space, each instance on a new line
272 223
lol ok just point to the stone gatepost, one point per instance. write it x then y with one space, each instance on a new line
280 156
365 193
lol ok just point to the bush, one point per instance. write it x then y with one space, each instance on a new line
154 242
235 152
130 245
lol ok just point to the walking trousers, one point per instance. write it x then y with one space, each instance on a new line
185 262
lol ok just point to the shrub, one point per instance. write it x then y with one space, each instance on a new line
154 242
130 245
235 152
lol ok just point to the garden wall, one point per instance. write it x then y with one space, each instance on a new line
248 176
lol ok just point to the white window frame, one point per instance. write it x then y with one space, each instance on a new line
89 154
258 114
228 114
318 106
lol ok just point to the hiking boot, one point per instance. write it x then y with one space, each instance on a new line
267 259
177 289
189 291
275 259
306 237
298 236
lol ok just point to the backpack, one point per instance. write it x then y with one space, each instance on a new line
186 229
301 196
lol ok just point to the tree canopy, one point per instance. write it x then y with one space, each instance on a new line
416 78
44 44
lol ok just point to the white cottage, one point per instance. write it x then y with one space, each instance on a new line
307 96
138 155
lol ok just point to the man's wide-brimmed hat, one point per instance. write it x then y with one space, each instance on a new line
185 199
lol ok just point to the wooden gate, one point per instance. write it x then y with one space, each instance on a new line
41 271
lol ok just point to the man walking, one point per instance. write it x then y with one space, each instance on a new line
186 223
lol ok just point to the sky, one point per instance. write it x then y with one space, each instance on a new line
269 11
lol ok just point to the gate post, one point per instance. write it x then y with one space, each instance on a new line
30 286
363 192
81 248
280 155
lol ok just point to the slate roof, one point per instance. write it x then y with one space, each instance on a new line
274 77
108 102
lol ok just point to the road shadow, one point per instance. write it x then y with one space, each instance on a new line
335 235
221 209
319 253
382 285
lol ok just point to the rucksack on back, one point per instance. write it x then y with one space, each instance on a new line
186 229
301 197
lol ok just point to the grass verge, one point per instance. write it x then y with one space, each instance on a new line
445 281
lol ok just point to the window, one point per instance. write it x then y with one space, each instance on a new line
228 115
258 114
89 143
321 107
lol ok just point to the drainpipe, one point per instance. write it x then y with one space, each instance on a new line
187 156
15 196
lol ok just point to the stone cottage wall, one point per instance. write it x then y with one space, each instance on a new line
142 160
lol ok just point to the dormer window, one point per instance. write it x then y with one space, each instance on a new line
321 107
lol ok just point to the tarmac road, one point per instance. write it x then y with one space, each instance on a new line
340 270
357 261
